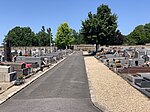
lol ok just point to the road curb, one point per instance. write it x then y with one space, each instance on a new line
15 89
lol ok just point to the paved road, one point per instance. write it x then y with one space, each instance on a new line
62 89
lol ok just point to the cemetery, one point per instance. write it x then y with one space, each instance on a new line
110 67
132 64
17 65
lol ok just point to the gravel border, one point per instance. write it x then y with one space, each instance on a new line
110 92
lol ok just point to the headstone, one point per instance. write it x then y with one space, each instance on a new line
20 68
49 58
7 50
7 74
134 78
145 57
145 75
136 63
144 84
35 61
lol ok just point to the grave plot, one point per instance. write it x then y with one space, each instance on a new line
2 58
35 61
145 82
140 81
7 74
56 56
20 68
134 70
49 59
133 65
134 78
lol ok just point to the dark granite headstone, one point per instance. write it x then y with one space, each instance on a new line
7 50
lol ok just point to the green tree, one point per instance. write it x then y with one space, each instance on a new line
83 39
75 36
100 28
139 36
63 36
21 36
118 38
147 32
89 29
44 37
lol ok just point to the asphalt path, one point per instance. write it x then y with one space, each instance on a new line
62 89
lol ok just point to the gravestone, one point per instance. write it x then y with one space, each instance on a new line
145 57
56 55
145 75
49 58
145 82
20 68
35 61
2 59
134 78
7 74
137 62
7 50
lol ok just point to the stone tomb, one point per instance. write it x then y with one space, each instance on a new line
20 68
131 62
35 61
56 56
106 57
7 74
145 75
145 82
2 58
48 58
138 53
134 78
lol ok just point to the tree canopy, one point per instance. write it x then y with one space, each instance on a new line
24 36
63 36
21 36
44 38
118 38
139 36
101 27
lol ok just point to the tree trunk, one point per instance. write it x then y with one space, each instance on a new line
97 47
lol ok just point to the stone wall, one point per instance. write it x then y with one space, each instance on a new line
84 47
76 47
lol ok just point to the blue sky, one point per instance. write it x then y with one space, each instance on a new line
51 13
